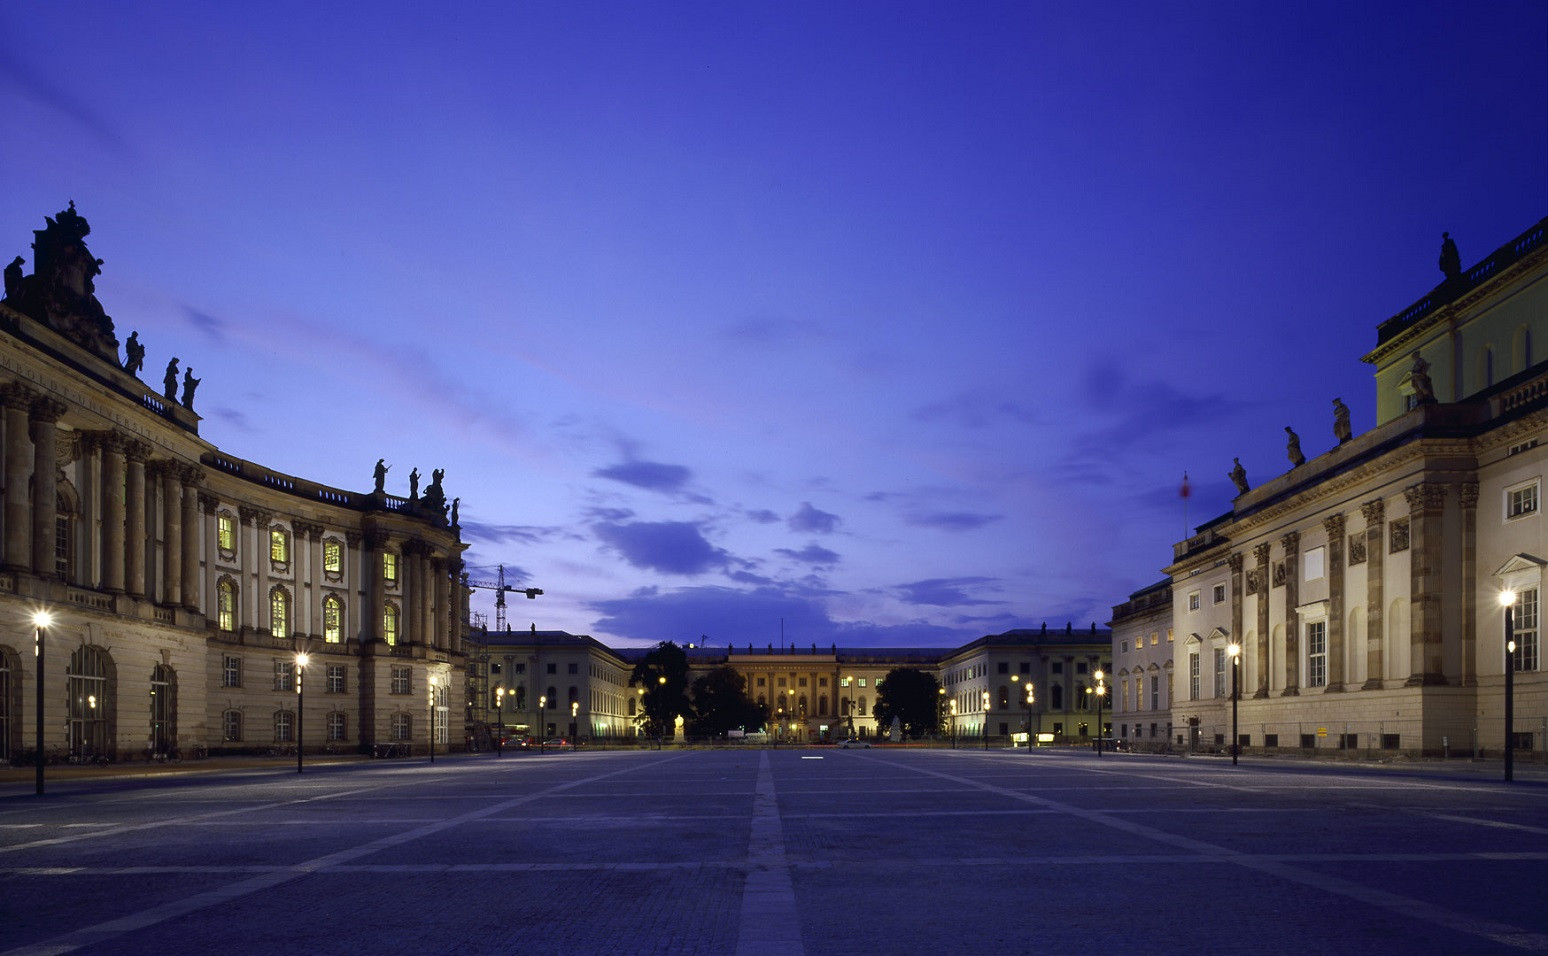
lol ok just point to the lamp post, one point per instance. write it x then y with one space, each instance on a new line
1235 651
542 723
301 660
1031 699
1101 691
500 721
985 727
1507 599
40 623
431 683
954 725
574 723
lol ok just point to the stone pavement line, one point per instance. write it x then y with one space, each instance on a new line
1404 906
770 924
106 931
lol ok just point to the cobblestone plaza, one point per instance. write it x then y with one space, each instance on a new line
787 851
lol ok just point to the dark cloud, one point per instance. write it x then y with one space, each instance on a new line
214 329
233 417
609 515
670 547
650 475
974 409
951 520
742 617
948 592
763 516
809 520
811 554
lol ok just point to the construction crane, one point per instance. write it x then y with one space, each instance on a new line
500 588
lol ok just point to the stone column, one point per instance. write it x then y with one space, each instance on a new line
1426 508
46 413
189 478
17 399
1334 526
1375 591
137 454
253 551
376 542
1291 543
1236 562
1468 494
356 562
443 610
171 532
113 511
1261 556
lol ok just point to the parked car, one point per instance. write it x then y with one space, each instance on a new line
853 742
556 742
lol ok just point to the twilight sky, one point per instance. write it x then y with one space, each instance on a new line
898 322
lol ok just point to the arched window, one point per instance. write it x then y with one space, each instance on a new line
67 508
333 615
390 624
279 612
89 683
632 711
822 704
574 694
231 725
226 604
279 545
163 709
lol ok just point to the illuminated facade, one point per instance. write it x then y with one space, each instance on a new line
1362 585
183 581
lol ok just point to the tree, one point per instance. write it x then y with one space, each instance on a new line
912 696
720 703
663 674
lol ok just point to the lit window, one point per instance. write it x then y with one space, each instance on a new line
225 532
284 675
333 557
389 567
279 612
390 624
279 545
225 601
1521 500
333 612
1525 621
1317 654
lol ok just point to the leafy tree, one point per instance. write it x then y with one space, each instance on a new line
720 703
913 697
663 673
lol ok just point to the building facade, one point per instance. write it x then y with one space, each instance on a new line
180 582
811 693
1362 586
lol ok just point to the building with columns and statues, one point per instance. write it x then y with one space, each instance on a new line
1362 587
182 584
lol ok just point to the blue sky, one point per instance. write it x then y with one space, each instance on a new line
887 323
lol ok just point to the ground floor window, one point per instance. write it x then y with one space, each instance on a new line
5 704
284 726
402 727
1317 654
231 725
442 715
90 689
163 710
338 726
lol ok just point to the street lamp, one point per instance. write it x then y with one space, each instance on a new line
40 623
542 723
301 660
953 724
1235 650
574 723
1507 599
431 682
985 727
500 721
1101 691
1031 699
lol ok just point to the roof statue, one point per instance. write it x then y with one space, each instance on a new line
169 381
134 354
61 292
1293 448
1450 259
1341 429
1239 477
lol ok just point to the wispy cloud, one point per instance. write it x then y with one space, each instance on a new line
949 592
978 408
811 554
212 328
951 520
650 475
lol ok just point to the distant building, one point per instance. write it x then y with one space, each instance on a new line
1363 585
1142 653
811 693
182 581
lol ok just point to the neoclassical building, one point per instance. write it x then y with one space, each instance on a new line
1363 585
552 679
182 582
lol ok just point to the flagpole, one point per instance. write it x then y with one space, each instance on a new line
1186 491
